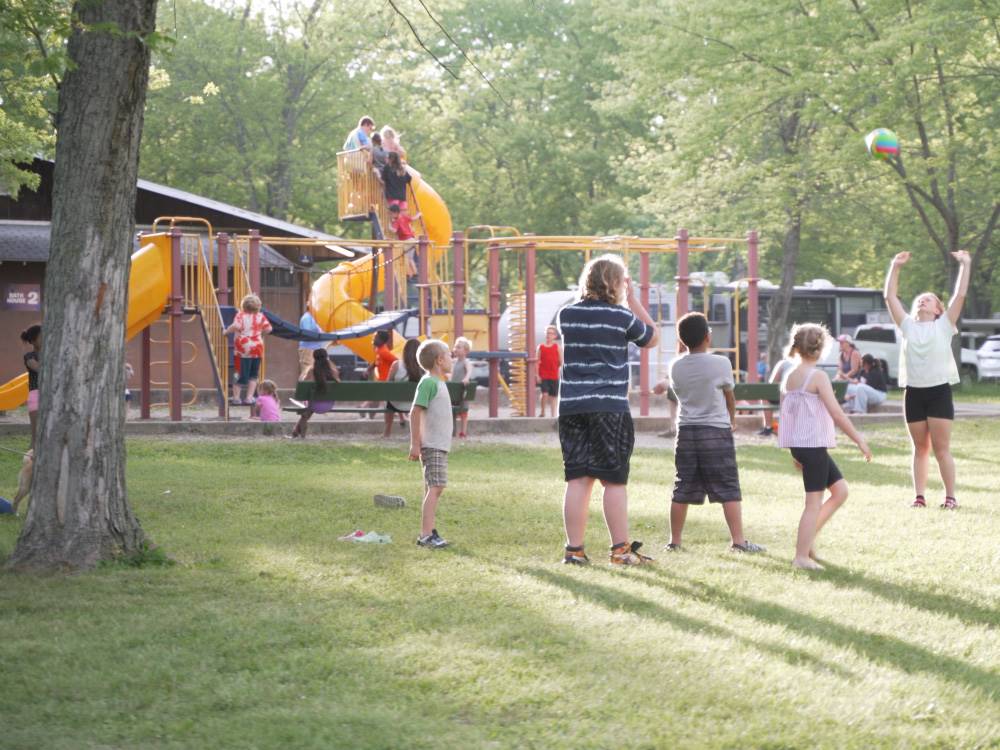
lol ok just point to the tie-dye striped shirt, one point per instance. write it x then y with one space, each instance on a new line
595 375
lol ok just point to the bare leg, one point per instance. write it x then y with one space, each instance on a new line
678 514
302 424
428 509
464 420
921 439
807 532
252 389
734 520
838 496
575 503
940 436
616 511
387 430
33 418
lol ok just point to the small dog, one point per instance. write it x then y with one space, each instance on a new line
24 478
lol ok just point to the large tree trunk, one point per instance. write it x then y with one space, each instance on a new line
778 306
79 513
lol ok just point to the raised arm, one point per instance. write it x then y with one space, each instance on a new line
891 291
954 311
829 399
640 312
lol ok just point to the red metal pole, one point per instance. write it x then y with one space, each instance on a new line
682 277
493 275
752 307
147 395
254 261
458 296
423 277
176 313
222 268
644 353
529 333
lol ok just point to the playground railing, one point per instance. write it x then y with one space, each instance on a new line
359 191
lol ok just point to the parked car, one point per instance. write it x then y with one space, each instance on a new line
989 358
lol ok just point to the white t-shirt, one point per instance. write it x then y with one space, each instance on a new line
698 380
926 358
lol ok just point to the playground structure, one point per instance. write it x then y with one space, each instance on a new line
426 279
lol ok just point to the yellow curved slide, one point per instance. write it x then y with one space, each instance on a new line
148 290
336 295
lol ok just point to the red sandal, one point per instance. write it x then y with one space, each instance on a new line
919 502
950 503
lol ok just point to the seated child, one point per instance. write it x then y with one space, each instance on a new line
704 453
324 371
268 407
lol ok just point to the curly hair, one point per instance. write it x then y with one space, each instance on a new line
808 340
603 279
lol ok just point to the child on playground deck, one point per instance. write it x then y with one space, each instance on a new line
550 360
268 407
402 222
596 432
808 413
461 373
704 453
249 325
430 434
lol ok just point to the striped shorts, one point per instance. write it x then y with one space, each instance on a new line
435 463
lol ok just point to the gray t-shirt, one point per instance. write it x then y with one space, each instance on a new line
432 395
698 380
459 367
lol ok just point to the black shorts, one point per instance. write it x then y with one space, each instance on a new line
818 469
920 403
597 445
705 462
549 387
249 370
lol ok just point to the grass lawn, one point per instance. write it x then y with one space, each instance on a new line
270 633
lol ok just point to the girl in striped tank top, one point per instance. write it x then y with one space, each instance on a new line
809 411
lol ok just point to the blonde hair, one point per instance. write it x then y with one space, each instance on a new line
603 279
388 132
268 388
429 353
916 302
251 303
462 341
808 340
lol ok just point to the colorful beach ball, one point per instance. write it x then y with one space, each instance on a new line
882 143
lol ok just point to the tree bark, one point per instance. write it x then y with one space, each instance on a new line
79 514
779 305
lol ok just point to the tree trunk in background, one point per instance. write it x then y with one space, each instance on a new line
79 513
778 307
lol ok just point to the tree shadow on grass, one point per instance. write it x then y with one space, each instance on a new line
614 599
967 612
876 647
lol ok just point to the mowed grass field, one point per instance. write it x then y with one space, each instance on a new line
268 632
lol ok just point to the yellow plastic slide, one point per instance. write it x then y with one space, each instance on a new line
148 290
336 295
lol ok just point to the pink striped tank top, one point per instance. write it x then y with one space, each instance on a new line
804 422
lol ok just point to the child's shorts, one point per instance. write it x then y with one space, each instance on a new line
435 463
33 400
249 370
597 445
705 461
818 469
549 387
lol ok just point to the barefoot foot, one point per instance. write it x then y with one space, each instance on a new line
806 564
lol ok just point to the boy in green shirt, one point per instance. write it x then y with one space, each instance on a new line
430 433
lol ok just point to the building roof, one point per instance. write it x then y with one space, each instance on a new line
28 242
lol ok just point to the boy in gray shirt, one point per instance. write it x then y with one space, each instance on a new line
430 433
704 453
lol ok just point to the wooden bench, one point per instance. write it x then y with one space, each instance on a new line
771 393
365 390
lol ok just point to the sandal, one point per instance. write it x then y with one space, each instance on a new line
950 503
919 502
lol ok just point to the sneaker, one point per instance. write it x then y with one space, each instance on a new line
575 557
919 502
765 432
628 554
390 501
667 434
672 547
748 547
950 503
432 541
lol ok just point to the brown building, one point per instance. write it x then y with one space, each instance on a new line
285 276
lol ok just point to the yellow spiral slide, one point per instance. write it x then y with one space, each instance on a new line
148 290
336 300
